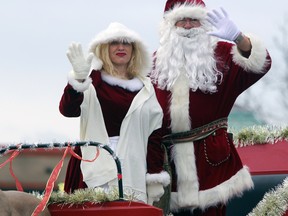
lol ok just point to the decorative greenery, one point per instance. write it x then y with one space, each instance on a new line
80 196
260 135
274 202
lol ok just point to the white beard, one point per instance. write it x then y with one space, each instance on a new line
189 53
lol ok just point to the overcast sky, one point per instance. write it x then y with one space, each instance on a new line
36 34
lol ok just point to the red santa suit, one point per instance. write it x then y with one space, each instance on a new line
109 108
206 172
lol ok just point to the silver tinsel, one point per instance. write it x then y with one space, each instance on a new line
93 195
274 202
260 135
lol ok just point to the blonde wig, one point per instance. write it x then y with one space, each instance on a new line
134 65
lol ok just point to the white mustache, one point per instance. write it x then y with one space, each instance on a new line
189 33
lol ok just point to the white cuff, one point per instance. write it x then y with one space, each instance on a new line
162 178
257 60
79 86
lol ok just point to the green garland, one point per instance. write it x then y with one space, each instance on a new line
80 196
274 202
260 135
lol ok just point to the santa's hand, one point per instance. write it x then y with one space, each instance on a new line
81 65
225 28
155 191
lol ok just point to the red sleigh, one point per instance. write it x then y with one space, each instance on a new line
117 207
268 165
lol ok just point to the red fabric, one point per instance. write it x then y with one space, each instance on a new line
265 158
205 108
155 153
105 209
74 178
170 3
115 102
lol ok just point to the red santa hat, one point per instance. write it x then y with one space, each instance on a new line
178 9
170 3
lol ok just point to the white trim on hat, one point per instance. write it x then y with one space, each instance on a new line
181 11
115 31
118 31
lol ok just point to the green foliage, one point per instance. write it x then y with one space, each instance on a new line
260 135
94 195
81 196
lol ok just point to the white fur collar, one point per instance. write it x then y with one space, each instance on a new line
134 84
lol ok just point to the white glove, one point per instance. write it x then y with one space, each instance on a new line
155 191
81 65
226 29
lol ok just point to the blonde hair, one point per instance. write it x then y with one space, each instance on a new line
134 65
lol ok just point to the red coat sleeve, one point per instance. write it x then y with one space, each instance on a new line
155 153
70 102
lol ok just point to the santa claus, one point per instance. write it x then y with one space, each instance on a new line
203 64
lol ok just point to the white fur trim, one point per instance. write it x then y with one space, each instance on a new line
115 31
258 58
187 179
180 11
134 84
163 178
118 31
183 154
78 86
222 193
179 105
174 205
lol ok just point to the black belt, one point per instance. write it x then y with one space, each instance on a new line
195 134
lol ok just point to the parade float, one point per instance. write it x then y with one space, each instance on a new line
88 201
263 149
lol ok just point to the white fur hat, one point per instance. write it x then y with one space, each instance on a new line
118 31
